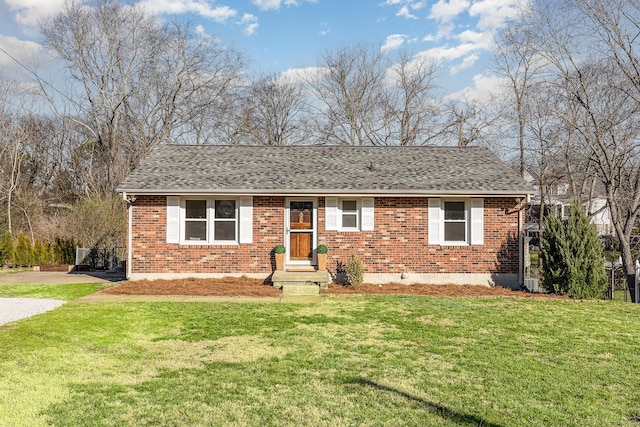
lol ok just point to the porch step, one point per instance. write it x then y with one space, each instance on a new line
289 290
315 279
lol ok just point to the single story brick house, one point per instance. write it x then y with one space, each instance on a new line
412 214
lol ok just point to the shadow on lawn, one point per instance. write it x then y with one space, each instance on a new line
443 411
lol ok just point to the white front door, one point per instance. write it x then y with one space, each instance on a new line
301 223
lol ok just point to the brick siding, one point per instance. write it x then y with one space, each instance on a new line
398 243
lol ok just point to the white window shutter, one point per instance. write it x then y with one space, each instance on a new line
246 220
435 218
331 213
173 219
477 221
367 214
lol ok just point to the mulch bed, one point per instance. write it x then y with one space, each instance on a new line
243 286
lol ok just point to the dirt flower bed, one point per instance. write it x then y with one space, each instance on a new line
243 286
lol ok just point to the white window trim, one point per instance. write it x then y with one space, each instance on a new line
467 219
357 213
365 215
474 221
210 218
235 220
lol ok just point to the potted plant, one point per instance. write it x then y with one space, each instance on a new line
279 250
322 257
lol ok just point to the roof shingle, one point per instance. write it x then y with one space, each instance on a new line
181 169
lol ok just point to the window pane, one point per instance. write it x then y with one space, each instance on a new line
349 205
195 230
454 232
454 210
196 209
301 215
224 230
349 221
225 209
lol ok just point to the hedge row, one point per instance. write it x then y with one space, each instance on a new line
22 252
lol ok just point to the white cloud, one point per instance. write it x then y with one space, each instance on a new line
484 86
444 11
393 41
251 29
406 7
201 7
468 62
30 12
444 53
275 4
482 40
30 54
324 28
300 75
445 31
492 14
403 12
250 23
267 4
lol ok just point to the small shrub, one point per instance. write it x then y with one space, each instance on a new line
355 270
322 249
280 249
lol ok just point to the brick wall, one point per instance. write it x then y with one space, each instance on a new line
398 243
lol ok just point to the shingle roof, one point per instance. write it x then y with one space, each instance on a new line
181 169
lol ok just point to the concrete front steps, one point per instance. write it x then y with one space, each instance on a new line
300 282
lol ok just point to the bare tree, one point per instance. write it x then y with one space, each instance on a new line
596 68
142 82
349 87
415 113
518 61
274 113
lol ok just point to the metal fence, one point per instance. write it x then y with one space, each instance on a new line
99 258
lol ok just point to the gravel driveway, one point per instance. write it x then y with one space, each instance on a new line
12 309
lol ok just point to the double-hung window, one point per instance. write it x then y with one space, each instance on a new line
350 215
195 220
455 222
225 221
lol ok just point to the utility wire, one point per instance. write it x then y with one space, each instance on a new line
30 71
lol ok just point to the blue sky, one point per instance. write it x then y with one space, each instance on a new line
281 36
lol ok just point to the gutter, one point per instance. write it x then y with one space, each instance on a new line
323 193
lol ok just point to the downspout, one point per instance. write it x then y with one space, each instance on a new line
129 238
129 229
521 244
520 251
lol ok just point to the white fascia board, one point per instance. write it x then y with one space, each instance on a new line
320 193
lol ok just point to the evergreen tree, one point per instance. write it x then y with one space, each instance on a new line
571 253
23 251
7 254
553 247
587 276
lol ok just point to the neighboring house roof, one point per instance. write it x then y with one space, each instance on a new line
289 170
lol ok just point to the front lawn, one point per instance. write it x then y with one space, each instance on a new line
65 292
384 360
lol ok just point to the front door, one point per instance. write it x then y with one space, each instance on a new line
301 231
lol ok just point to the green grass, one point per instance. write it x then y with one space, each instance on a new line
374 361
5 270
64 292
